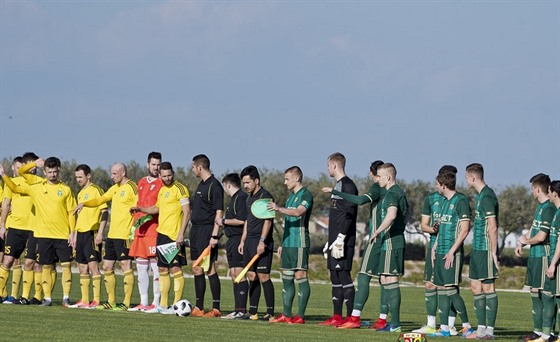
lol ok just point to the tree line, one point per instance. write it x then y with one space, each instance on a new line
516 202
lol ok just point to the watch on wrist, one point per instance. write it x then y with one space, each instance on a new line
215 237
223 222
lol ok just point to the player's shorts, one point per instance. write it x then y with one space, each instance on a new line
86 249
536 272
143 247
2 244
428 269
31 248
370 260
342 264
16 240
233 257
117 249
294 258
49 251
482 266
550 285
199 237
555 289
391 262
179 260
264 263
450 277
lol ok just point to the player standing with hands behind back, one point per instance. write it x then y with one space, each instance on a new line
207 208
484 256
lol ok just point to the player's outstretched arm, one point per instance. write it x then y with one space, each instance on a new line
13 186
153 210
297 212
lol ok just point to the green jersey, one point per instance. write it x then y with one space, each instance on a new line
453 212
296 228
486 206
541 223
431 208
373 196
393 237
553 237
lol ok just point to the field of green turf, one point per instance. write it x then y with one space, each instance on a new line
59 323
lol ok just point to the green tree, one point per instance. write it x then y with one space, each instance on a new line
101 177
517 207
135 171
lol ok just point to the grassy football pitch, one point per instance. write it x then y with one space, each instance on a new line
64 324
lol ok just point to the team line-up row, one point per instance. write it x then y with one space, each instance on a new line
43 221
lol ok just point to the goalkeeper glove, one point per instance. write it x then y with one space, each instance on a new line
337 248
139 223
325 250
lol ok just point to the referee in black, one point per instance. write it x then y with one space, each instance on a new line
207 209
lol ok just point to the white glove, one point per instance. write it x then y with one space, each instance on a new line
337 248
325 250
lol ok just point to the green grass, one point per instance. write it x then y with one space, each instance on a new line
59 323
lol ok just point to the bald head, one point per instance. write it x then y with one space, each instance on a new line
118 173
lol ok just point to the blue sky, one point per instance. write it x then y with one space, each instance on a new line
281 83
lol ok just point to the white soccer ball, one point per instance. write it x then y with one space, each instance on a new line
182 308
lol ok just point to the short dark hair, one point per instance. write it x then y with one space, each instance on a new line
555 187
374 166
447 168
477 169
154 155
541 181
232 178
52 162
202 160
85 168
18 159
250 171
166 166
29 157
295 170
447 179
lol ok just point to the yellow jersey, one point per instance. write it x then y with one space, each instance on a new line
54 205
22 212
170 208
89 218
122 197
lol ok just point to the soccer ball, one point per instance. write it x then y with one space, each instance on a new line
182 308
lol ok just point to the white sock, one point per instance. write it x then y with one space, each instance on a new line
444 327
356 313
451 321
142 268
481 330
432 321
490 331
155 282
383 316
